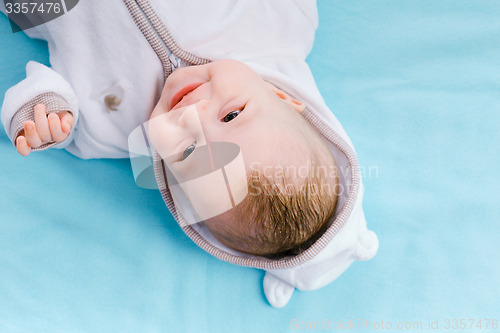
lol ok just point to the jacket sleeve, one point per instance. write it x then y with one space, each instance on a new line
41 85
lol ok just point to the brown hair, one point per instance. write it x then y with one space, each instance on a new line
279 217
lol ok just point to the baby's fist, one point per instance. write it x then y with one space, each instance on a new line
45 129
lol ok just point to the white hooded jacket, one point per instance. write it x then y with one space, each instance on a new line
123 50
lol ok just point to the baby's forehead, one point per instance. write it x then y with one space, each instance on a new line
276 154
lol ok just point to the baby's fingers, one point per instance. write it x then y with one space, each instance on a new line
22 146
42 124
31 134
55 128
66 121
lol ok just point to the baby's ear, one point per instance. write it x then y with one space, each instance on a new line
297 105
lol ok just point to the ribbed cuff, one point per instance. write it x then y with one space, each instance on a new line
53 103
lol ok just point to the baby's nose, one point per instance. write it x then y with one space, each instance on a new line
189 115
202 105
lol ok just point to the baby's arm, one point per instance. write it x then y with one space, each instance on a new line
52 123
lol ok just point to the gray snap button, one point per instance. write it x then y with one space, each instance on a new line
112 102
111 97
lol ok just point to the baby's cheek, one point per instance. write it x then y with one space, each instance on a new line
159 135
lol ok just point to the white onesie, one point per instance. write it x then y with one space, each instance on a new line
109 63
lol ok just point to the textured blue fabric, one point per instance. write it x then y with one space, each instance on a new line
415 84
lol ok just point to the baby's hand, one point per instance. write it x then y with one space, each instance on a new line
45 129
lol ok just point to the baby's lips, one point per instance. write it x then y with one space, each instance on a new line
180 97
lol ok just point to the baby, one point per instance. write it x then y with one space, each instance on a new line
236 105
298 185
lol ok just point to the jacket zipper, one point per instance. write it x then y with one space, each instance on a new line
158 36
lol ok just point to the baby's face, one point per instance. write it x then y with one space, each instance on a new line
233 104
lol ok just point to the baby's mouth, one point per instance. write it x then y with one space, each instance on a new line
183 93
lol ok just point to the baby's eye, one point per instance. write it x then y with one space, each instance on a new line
188 151
231 115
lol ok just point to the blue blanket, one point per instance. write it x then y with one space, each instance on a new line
416 86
